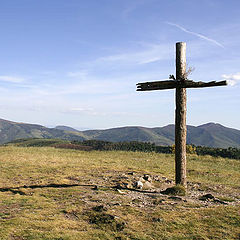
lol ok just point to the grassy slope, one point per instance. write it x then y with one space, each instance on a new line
10 131
66 213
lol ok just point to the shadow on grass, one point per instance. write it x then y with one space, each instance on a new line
17 190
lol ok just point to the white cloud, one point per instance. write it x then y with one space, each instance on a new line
11 79
196 34
232 79
153 53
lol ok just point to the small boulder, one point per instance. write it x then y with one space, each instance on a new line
138 185
147 178
141 179
147 185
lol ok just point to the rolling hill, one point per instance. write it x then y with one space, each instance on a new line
10 131
66 128
210 134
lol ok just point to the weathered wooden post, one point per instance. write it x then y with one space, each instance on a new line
180 83
180 116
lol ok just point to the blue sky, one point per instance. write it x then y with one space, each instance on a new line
76 62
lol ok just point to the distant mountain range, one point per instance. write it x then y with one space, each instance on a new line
10 131
210 134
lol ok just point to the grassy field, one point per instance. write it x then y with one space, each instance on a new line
58 194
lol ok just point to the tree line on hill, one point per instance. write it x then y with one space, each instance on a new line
134 146
230 152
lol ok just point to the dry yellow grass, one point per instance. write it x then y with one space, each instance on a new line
66 210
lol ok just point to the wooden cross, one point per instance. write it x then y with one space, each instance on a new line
180 83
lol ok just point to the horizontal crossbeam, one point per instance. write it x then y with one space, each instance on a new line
170 84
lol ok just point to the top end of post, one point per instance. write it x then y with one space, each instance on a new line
180 60
181 43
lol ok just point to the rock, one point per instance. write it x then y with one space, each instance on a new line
147 178
147 185
122 185
138 185
141 179
131 173
95 187
206 197
157 178
121 192
127 185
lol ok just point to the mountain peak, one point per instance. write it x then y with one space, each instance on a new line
66 128
211 124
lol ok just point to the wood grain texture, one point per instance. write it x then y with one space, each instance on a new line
170 84
180 116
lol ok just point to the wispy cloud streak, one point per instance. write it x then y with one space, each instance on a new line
196 34
11 79
153 53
